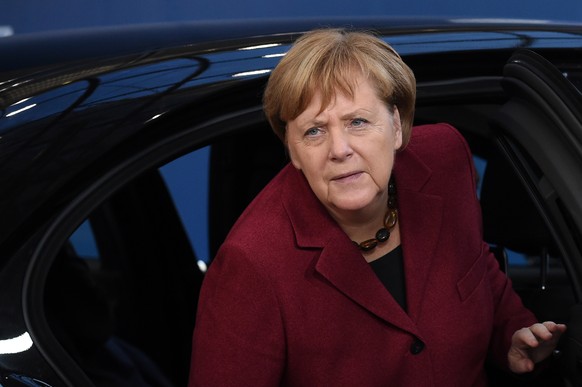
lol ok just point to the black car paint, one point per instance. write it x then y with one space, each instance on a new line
116 102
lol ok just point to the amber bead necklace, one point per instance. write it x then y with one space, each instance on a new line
390 220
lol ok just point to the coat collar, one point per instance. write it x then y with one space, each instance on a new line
341 263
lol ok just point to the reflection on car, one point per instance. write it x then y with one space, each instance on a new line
127 154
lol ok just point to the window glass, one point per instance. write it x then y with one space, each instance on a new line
121 295
83 241
480 164
187 181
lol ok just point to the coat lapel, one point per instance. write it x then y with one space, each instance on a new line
341 263
420 226
345 268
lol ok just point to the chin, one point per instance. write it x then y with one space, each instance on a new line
352 200
351 205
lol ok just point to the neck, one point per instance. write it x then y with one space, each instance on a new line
362 224
358 229
382 236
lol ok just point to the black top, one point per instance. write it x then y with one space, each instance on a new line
390 271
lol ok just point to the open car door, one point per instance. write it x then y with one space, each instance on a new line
544 115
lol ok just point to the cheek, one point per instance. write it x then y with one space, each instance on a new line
381 163
294 161
307 161
383 171
292 152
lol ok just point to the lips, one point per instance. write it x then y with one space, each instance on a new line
347 176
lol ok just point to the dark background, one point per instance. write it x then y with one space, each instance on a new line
25 16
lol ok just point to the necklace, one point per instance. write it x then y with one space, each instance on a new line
390 220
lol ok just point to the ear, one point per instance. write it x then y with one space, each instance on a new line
397 126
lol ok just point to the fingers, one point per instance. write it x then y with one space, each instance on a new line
521 366
533 344
518 356
524 338
526 365
541 332
555 328
549 332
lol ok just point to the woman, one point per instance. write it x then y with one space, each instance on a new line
362 262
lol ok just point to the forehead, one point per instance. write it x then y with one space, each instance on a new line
362 95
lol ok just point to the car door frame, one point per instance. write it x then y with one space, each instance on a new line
543 115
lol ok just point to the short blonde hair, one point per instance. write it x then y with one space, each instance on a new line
325 61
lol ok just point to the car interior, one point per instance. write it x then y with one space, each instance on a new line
127 318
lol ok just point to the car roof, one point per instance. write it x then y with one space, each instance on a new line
41 49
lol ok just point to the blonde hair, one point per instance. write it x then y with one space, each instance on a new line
326 61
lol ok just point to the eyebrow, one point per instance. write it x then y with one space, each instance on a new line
311 123
316 123
355 113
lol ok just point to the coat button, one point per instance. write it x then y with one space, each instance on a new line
416 347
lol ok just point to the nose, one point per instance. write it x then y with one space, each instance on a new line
340 147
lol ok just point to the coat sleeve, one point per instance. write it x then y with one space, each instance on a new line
238 338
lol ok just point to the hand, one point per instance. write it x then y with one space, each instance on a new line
532 345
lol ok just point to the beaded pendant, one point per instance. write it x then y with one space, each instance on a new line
390 220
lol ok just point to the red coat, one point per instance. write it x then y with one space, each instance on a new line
289 300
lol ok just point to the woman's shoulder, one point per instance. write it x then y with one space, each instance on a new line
442 150
439 144
436 136
264 221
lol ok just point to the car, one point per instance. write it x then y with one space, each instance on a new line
127 153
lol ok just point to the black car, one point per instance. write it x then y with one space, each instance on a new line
127 153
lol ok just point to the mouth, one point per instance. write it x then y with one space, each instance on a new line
346 177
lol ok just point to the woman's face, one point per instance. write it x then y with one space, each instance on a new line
346 151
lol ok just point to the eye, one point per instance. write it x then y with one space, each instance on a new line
358 122
312 132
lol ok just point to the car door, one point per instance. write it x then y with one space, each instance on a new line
539 133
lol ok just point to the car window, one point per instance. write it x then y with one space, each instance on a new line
126 284
187 179
122 292
83 241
